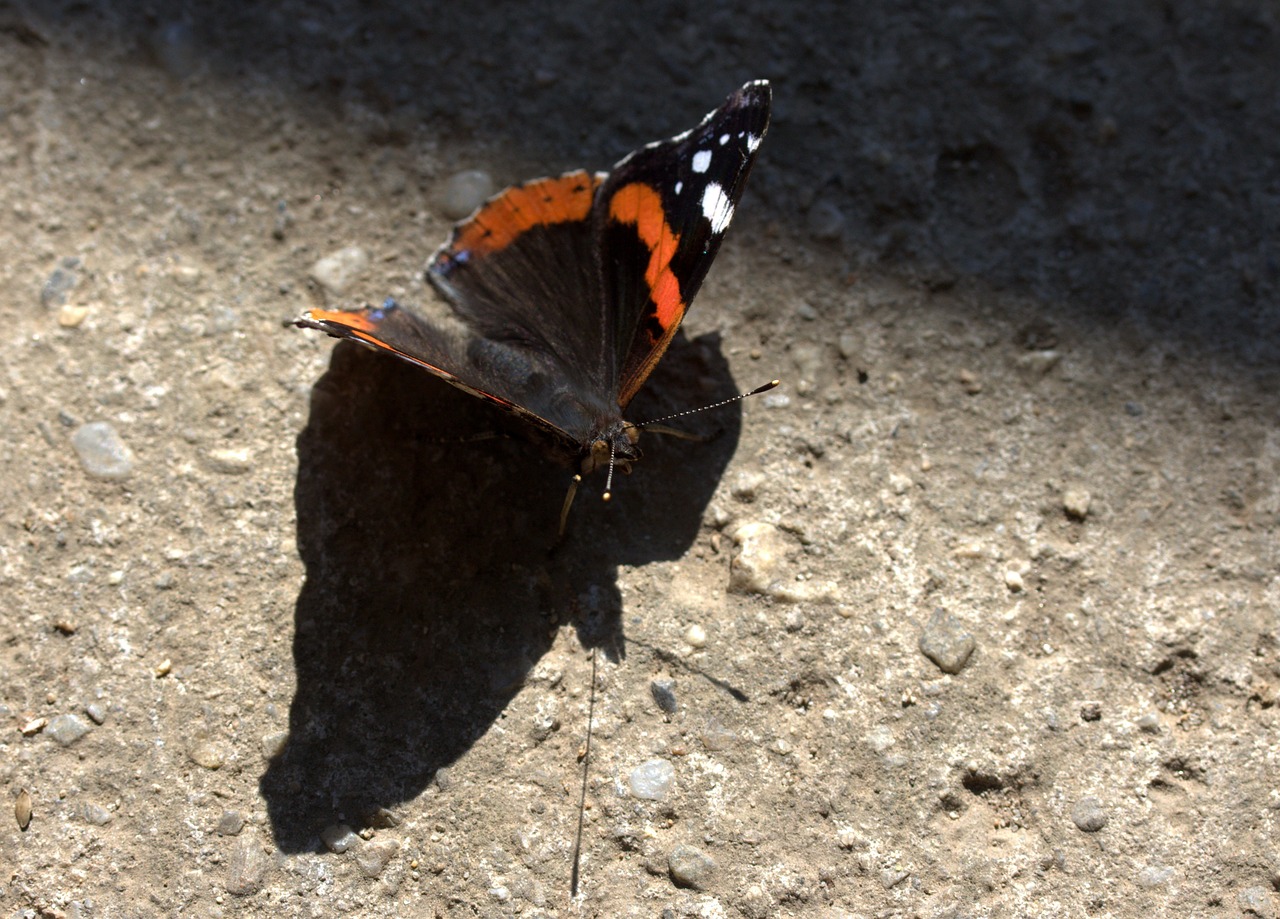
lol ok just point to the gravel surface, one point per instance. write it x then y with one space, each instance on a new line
977 615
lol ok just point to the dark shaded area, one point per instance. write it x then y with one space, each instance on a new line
1115 160
431 590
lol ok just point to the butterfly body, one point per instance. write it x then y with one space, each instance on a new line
560 295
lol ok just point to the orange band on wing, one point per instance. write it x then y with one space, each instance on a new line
641 205
359 320
496 225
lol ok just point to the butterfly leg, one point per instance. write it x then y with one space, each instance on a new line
568 503
674 432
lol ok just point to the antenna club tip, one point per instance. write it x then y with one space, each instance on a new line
606 496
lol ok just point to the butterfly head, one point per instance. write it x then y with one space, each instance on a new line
614 447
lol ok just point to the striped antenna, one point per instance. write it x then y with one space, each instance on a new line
693 411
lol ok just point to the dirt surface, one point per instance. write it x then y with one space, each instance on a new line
299 648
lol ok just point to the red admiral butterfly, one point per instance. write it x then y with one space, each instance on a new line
565 292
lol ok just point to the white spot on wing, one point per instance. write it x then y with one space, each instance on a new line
702 161
753 142
679 187
724 139
717 208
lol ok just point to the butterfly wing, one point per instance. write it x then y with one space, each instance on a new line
661 215
523 274
497 374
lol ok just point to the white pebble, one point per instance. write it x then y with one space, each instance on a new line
1075 501
229 460
695 636
761 549
652 779
338 270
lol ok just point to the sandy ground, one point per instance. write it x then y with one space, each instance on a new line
976 616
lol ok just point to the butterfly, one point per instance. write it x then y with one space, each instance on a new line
560 295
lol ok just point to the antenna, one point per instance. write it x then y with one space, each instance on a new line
693 411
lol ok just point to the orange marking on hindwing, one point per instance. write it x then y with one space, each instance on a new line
499 222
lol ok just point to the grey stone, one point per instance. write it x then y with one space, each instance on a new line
664 693
945 642
247 867
66 729
337 271
374 856
230 823
101 451
338 837
463 192
1088 815
690 867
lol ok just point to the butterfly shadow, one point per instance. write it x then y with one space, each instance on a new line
431 585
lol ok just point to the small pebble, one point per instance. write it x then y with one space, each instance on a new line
1256 901
247 867
848 345
1075 501
273 744
338 271
690 867
230 823
95 814
34 726
1149 723
372 858
1153 876
760 551
70 315
1088 815
22 809
102 453
56 287
1013 581
945 642
746 488
463 192
716 737
338 837
664 693
1133 409
1090 712
881 739
892 877
652 779
97 714
164 668
1038 363
67 729
229 460
208 754
695 636
825 220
